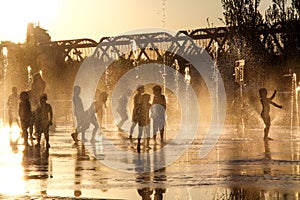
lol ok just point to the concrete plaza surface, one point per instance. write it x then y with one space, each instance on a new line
240 166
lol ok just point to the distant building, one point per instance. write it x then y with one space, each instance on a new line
35 34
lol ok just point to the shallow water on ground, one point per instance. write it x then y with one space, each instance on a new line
240 166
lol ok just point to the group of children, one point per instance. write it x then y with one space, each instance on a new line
40 119
143 110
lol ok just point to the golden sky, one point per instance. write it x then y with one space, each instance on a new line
74 19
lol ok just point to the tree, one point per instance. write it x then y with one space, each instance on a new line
241 12
286 18
245 21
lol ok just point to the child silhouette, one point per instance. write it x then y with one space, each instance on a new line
44 117
265 113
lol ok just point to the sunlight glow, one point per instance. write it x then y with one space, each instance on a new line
11 170
16 14
15 132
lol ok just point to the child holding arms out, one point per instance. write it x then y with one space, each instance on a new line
265 113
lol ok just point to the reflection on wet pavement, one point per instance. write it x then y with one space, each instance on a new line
237 168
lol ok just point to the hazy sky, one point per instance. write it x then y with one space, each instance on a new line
74 19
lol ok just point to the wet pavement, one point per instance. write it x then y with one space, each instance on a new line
240 166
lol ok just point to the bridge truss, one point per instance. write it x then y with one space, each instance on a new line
207 38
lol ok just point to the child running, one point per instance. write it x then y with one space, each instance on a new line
89 117
265 113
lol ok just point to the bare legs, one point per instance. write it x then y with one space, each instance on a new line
267 122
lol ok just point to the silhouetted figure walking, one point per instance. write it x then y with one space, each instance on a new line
158 113
144 121
25 115
13 107
137 104
89 117
44 117
122 109
265 113
78 112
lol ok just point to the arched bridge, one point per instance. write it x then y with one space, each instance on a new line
72 49
207 38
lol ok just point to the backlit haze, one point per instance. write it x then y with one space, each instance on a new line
73 19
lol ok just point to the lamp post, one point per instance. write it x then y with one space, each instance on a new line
5 63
